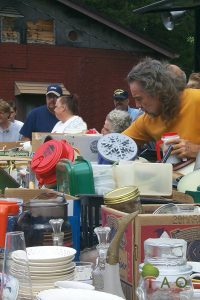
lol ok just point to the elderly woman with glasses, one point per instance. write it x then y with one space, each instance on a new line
116 121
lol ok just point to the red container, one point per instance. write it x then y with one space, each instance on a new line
6 209
47 156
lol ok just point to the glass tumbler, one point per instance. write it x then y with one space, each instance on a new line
16 280
83 271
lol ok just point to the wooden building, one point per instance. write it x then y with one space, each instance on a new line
44 42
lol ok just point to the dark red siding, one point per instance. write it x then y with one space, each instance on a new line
91 73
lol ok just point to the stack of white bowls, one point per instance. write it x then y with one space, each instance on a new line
47 264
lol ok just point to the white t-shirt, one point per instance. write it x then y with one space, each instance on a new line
11 134
74 125
18 122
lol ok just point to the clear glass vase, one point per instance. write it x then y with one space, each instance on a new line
102 248
102 234
99 270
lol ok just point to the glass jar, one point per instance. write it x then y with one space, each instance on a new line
165 273
125 199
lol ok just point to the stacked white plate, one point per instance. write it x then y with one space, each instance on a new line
47 264
75 294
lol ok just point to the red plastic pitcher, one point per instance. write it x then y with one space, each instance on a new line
7 209
47 156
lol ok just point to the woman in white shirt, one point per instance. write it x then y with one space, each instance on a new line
66 110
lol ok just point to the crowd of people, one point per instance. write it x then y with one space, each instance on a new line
164 102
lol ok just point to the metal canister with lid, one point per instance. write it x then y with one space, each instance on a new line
126 199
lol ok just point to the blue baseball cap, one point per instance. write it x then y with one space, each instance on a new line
54 89
120 94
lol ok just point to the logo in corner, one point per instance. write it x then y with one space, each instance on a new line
93 146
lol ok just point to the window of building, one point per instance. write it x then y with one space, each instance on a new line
41 32
8 32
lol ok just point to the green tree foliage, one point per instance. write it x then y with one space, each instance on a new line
180 40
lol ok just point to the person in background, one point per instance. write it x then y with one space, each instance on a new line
13 114
116 121
166 108
42 118
9 131
121 101
66 110
178 75
194 81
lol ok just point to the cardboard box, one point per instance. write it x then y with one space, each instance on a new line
85 143
27 194
9 145
8 152
143 227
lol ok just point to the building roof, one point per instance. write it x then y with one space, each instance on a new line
117 27
166 5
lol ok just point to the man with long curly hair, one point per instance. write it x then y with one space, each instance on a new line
167 108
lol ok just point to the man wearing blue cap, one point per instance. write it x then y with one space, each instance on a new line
121 102
42 118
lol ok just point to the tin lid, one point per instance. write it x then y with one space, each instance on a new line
122 199
121 195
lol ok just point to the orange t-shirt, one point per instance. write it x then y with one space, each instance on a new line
186 124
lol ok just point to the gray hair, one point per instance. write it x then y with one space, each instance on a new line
119 120
178 75
157 81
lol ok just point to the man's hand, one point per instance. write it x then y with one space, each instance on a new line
184 149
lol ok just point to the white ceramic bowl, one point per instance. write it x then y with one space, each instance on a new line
74 294
66 284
